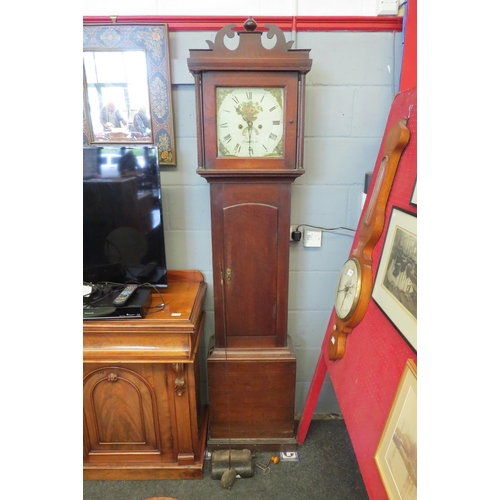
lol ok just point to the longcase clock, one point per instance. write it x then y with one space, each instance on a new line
250 129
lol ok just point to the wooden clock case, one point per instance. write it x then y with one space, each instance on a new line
369 231
251 362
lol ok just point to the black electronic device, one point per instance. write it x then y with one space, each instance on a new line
123 231
135 307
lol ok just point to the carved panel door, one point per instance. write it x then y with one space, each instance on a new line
121 412
250 222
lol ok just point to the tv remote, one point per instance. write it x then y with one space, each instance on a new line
124 295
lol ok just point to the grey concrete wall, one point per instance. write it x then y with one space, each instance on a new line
349 91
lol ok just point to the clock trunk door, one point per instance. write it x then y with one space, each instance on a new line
250 242
250 274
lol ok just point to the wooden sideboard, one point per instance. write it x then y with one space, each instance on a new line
142 411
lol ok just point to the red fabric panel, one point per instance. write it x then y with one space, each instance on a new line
366 379
409 63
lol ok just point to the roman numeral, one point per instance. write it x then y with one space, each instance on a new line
272 109
235 99
276 122
249 95
263 145
223 125
228 138
237 148
273 136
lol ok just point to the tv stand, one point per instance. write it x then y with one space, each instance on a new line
142 411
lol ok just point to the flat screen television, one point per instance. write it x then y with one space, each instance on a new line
123 233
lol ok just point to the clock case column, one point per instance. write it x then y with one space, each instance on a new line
251 364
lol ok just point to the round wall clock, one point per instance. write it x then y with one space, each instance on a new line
355 282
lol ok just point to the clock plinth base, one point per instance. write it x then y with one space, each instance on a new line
271 445
252 398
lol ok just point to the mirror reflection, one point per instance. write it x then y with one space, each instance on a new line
116 85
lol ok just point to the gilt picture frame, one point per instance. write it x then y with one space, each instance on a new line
396 454
153 40
413 199
395 286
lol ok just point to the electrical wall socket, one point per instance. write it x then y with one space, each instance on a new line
387 7
312 238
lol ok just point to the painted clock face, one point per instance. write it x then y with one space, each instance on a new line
249 122
348 289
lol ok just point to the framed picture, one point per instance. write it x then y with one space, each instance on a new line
395 287
127 88
413 200
396 454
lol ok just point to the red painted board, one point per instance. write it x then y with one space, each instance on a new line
365 380
409 62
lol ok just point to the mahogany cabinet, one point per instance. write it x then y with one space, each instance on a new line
142 411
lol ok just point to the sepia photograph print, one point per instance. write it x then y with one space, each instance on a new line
395 287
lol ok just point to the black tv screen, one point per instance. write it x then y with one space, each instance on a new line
123 235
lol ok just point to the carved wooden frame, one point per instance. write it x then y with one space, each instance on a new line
153 39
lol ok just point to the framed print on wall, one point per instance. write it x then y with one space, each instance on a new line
413 200
395 287
396 454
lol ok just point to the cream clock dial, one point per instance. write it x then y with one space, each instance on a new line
249 122
348 289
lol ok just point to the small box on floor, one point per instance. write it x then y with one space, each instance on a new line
289 456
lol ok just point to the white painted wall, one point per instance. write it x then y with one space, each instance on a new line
231 8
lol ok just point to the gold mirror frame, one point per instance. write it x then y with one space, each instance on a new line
153 39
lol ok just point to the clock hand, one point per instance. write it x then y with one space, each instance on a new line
346 290
250 128
342 305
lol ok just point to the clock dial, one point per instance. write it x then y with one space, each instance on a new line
348 289
250 122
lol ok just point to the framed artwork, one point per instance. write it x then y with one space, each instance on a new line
127 96
396 454
413 200
395 287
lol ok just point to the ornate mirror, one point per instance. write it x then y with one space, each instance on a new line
127 87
